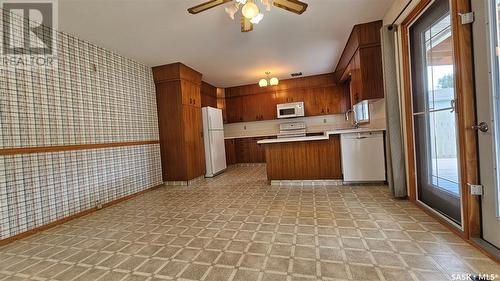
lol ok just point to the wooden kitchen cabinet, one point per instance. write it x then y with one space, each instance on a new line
320 94
190 93
208 95
234 109
178 102
360 65
244 150
193 138
250 108
366 75
230 151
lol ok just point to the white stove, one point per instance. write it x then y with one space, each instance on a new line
292 130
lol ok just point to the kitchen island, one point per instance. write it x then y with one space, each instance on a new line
307 158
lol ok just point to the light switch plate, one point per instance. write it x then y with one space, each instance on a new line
476 189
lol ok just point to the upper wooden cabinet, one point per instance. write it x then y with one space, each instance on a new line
208 95
361 63
178 100
320 94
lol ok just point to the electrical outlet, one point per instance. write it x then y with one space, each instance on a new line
476 189
324 120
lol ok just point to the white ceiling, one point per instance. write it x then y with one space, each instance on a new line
157 32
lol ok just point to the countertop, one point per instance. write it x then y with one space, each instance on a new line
325 136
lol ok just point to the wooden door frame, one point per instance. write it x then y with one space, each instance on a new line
466 117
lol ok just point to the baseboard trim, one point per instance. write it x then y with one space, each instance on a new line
184 183
307 182
486 248
53 224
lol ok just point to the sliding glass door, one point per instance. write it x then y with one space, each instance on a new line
433 93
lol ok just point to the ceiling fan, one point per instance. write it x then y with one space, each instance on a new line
250 11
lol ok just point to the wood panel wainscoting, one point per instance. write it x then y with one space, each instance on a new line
465 105
305 160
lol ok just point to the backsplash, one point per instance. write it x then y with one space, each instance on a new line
315 124
93 96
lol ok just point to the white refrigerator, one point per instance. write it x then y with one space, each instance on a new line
213 131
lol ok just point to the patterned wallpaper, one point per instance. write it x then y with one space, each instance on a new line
92 96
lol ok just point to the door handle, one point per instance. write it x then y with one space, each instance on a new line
482 126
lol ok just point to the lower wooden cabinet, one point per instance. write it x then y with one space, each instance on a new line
230 151
304 160
245 150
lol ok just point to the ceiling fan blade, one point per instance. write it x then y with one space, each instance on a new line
207 5
294 6
246 25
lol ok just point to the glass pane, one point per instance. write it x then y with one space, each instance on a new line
439 65
443 146
438 179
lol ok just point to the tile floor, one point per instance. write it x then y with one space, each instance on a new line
236 227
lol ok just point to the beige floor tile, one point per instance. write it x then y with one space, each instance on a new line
333 270
219 274
268 276
277 264
195 271
235 226
363 273
304 267
246 275
172 268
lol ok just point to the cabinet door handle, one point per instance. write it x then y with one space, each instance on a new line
190 100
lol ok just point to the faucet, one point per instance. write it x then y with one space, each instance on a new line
356 124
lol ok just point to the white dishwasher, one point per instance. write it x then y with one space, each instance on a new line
363 157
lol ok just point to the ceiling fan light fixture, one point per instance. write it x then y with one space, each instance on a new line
250 10
257 18
232 10
263 83
274 81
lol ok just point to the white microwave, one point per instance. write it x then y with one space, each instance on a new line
289 110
